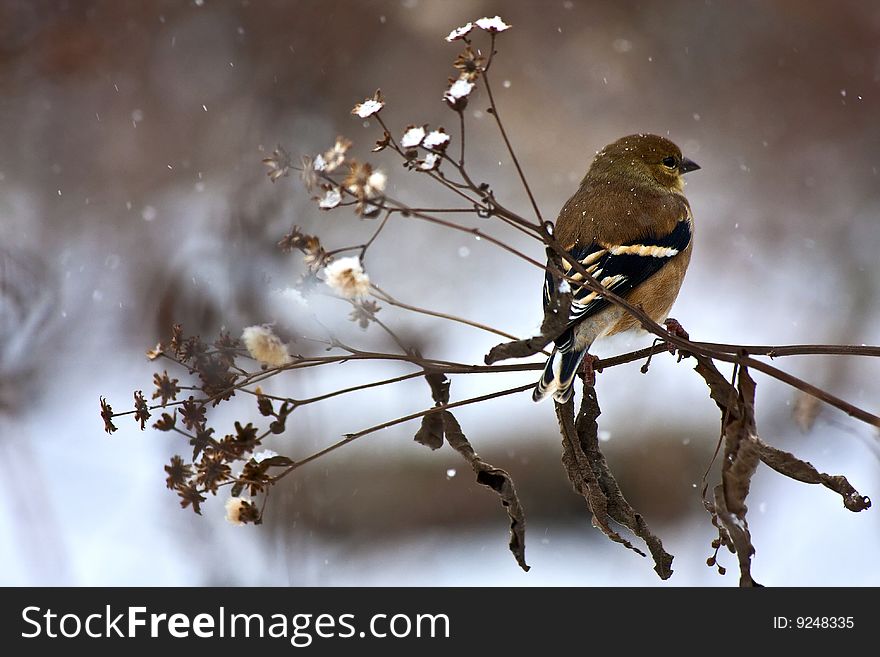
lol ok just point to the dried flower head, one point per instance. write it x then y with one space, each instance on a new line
166 387
436 140
460 32
308 174
310 245
492 25
431 162
376 183
292 240
279 163
370 106
166 422
141 409
347 278
364 312
176 341
365 185
470 64
412 136
331 198
457 94
217 381
190 495
314 254
212 471
315 257
264 346
382 144
363 181
193 350
107 416
178 473
227 349
202 441
331 159
241 510
193 414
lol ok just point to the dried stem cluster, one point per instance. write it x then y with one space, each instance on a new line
338 182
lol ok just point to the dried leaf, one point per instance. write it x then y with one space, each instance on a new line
496 479
439 387
430 434
741 457
264 404
737 537
592 478
791 466
277 461
740 450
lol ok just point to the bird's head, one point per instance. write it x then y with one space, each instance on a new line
643 158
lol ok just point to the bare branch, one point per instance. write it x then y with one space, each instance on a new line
794 349
385 425
494 112
387 298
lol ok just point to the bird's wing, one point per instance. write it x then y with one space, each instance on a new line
620 268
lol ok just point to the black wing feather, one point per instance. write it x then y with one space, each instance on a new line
633 270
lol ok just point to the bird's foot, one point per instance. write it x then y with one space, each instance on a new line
674 327
588 370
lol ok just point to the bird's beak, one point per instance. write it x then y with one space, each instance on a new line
687 165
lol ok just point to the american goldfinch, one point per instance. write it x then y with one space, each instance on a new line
631 227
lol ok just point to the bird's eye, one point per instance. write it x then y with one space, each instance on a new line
670 162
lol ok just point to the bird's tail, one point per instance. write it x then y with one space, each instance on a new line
559 375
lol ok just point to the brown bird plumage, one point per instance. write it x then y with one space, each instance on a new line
631 226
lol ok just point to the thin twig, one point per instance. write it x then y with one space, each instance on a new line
795 349
387 298
336 393
476 232
385 425
510 151
461 125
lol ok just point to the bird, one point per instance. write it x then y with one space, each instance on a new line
631 227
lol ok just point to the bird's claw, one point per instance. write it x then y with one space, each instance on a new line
674 327
588 370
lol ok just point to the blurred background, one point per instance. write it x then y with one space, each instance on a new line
132 196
